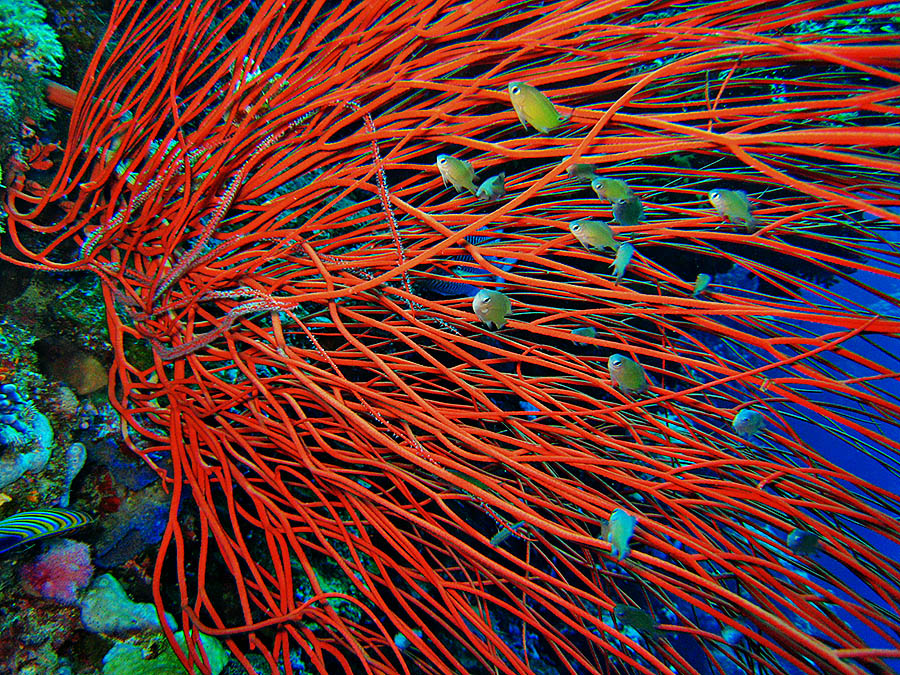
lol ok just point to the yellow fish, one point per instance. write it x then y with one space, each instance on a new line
594 233
628 374
580 172
619 532
748 422
701 284
628 212
457 172
733 205
493 188
534 108
491 307
623 257
611 189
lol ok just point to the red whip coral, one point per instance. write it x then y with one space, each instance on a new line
257 191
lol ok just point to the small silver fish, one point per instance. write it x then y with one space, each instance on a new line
732 205
611 190
404 642
731 635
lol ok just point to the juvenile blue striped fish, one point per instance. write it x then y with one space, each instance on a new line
27 526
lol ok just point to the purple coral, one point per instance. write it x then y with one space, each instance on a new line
63 569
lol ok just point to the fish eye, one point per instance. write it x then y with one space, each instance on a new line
713 194
615 361
515 90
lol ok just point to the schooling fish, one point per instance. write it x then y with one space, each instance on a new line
619 532
491 307
732 205
28 526
731 635
461 277
594 233
620 262
534 108
404 642
701 284
748 422
583 332
638 619
628 212
579 172
803 542
493 188
627 374
611 189
457 172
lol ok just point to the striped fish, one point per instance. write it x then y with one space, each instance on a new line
28 526
457 280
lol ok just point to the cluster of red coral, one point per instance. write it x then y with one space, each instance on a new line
259 196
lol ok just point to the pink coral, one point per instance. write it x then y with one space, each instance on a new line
59 572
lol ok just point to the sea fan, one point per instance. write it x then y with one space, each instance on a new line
382 484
